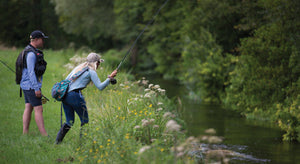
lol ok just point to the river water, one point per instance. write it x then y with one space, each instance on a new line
258 142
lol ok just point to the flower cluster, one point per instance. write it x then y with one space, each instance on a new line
168 115
172 126
143 82
146 122
143 149
154 90
75 60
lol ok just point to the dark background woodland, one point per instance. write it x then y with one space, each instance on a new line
241 53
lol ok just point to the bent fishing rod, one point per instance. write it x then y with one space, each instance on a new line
114 81
15 72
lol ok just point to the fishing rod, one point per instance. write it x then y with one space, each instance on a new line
7 66
114 81
15 72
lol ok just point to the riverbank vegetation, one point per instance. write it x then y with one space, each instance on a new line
243 54
130 122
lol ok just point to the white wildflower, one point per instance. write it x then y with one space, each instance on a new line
172 126
153 140
162 91
180 154
152 120
180 149
147 95
160 103
147 90
155 126
167 115
129 101
143 149
156 87
137 127
69 66
152 93
77 59
145 82
159 109
150 86
145 123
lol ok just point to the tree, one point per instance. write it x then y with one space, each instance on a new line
90 19
268 69
20 17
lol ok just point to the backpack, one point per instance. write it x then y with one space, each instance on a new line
19 67
59 89
40 64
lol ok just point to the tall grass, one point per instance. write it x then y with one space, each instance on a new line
127 120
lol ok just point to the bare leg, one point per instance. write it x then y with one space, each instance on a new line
27 117
38 114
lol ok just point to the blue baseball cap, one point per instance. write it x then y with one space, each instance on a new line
37 34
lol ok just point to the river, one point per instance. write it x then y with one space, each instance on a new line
258 142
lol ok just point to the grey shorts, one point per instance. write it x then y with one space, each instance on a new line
31 98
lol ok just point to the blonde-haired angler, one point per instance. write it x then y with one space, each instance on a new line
74 101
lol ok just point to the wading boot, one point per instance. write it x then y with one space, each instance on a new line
62 132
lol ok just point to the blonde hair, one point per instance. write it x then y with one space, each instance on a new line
91 62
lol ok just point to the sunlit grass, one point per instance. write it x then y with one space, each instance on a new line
127 120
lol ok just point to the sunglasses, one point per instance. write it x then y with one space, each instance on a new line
100 61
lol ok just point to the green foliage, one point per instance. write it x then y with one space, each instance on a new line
15 22
20 17
112 135
220 18
165 42
129 19
93 18
31 148
244 53
113 57
288 118
203 67
268 70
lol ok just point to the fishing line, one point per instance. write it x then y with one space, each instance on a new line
150 22
7 66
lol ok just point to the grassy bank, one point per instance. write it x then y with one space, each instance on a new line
129 122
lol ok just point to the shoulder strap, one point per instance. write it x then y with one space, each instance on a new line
27 49
77 74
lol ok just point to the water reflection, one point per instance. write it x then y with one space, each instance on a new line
256 141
